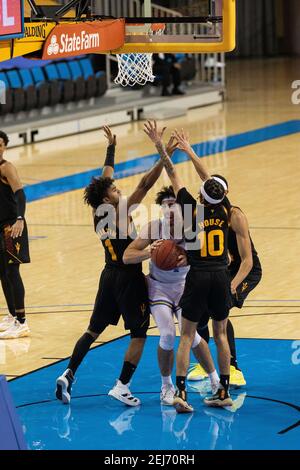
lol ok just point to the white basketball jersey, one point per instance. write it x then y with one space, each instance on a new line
176 275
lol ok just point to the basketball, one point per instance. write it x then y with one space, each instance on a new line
166 255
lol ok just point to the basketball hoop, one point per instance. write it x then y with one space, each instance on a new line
136 69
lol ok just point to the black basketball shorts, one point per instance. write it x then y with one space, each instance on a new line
123 293
15 250
244 289
206 294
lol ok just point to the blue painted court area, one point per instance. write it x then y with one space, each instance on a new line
265 415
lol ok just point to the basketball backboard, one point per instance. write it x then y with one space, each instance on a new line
191 26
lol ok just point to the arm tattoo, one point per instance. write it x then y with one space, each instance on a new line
170 169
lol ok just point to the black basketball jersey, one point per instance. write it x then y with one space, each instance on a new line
115 243
234 251
205 234
8 204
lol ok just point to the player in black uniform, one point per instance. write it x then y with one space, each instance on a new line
245 268
207 288
122 289
14 248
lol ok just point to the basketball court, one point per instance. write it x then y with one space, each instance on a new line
251 138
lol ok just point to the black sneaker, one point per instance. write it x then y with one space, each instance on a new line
219 399
180 402
64 386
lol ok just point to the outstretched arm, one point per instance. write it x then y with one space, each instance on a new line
239 224
109 164
150 178
184 144
156 136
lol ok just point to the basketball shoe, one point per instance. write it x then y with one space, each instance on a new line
122 393
180 402
16 330
219 399
237 378
6 322
197 373
167 394
64 386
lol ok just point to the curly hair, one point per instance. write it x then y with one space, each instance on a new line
4 137
164 193
96 191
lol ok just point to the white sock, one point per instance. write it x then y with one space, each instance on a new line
166 380
214 377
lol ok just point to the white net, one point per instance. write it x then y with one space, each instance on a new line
136 69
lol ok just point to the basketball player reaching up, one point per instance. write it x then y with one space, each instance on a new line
122 289
207 287
245 268
14 248
165 290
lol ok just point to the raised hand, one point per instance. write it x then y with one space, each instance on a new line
154 134
171 146
112 138
182 138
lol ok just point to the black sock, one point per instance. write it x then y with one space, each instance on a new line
224 381
180 382
231 341
21 317
80 351
127 372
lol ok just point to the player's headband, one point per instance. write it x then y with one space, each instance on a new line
208 198
222 182
168 199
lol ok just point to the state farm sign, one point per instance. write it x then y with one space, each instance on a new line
84 38
11 19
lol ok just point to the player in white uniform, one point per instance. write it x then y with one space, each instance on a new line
165 290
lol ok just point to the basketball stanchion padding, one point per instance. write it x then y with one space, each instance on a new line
11 433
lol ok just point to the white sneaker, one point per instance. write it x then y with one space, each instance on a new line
16 330
167 394
122 393
6 322
63 387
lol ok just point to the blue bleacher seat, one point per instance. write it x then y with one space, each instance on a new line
42 89
79 83
6 107
90 84
87 69
67 86
54 87
19 99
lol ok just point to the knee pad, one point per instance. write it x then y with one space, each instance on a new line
196 341
166 342
139 332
